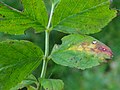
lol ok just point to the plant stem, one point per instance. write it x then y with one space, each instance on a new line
45 60
50 18
47 32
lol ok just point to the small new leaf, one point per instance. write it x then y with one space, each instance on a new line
52 84
25 83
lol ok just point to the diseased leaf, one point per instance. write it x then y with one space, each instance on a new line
17 60
52 84
81 16
81 52
15 22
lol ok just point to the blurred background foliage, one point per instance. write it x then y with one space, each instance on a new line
103 77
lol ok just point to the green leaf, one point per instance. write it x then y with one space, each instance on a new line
27 82
17 60
36 10
81 52
15 22
52 84
81 16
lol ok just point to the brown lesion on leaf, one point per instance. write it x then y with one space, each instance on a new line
94 47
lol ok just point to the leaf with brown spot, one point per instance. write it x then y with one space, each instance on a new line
81 52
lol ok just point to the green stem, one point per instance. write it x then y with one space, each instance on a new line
47 32
44 67
45 60
50 18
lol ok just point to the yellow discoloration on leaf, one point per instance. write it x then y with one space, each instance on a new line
79 48
83 47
